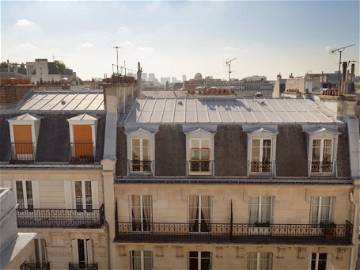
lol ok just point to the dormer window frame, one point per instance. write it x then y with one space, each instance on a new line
24 120
83 120
201 135
262 134
322 135
144 167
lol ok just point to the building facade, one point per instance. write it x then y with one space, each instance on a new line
111 181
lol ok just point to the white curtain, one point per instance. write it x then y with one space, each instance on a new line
193 212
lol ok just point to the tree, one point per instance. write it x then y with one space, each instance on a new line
60 66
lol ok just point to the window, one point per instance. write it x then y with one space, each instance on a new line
140 155
318 261
199 213
260 210
82 251
199 260
259 261
24 195
322 156
141 212
261 160
321 209
141 260
40 251
83 196
199 156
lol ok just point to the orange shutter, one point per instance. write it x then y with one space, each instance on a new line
83 141
23 139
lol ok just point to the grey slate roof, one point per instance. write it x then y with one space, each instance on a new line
227 110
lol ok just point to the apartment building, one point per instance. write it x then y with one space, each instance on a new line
51 145
111 181
227 183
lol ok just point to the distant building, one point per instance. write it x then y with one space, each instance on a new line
184 78
152 77
163 80
42 70
144 76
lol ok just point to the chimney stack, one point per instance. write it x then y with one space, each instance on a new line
352 72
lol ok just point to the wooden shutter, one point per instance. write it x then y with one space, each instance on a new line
23 139
83 141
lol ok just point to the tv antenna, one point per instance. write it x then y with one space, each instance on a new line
228 63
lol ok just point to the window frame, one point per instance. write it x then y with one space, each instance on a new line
200 134
258 259
84 204
141 206
317 260
260 204
198 219
262 134
332 202
199 258
142 259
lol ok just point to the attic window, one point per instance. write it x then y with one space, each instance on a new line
23 134
82 138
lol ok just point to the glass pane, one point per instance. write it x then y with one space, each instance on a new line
205 143
146 154
195 143
252 261
193 213
136 260
37 251
147 212
78 196
88 196
255 151
147 260
205 260
325 210
195 154
322 261
265 261
265 209
316 150
193 260
327 151
135 149
205 155
20 194
81 251
254 210
29 195
266 151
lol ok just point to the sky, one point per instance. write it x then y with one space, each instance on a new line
176 38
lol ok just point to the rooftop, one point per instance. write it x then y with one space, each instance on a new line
228 110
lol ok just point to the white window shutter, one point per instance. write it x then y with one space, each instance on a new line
68 191
75 254
36 194
89 249
95 194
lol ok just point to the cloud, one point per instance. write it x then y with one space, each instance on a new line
146 49
27 46
124 30
230 48
126 45
24 23
87 45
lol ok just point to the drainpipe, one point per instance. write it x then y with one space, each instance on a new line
355 235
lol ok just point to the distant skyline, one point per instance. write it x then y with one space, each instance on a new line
176 38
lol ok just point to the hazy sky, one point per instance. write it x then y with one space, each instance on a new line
175 38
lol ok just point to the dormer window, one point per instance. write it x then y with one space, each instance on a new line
322 149
141 151
82 138
261 153
23 133
200 152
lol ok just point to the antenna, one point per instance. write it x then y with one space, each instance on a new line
340 50
228 63
117 58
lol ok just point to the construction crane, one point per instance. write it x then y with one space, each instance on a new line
117 58
228 63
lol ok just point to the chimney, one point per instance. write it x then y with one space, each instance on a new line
352 71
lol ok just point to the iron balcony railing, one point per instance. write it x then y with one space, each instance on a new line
261 168
82 153
60 218
200 167
35 266
141 167
238 233
83 266
22 152
321 168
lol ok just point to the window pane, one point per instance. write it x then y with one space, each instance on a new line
205 143
266 151
265 209
265 261
88 196
205 155
195 143
193 260
29 195
148 260
20 194
81 250
78 196
255 151
316 150
314 210
136 260
205 260
135 149
146 154
252 261
195 154
254 210
325 210
327 151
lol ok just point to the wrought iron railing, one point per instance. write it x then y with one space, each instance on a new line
35 266
60 218
82 153
22 152
239 233
319 168
200 167
83 266
261 167
140 166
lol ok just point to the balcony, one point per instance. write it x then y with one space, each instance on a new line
321 168
60 218
82 153
35 266
340 234
22 153
200 167
83 266
137 167
265 168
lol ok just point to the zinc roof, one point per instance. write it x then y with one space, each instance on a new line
227 110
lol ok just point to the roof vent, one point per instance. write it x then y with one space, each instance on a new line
63 102
180 103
